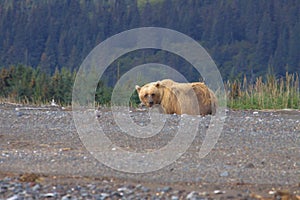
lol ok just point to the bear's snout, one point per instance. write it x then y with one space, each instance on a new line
151 103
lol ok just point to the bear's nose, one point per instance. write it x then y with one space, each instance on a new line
151 103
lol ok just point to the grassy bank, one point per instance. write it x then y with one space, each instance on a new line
265 93
26 85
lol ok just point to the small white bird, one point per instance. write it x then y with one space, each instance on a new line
53 103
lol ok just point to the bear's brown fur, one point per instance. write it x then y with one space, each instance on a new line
180 98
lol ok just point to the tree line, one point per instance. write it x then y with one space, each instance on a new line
29 85
243 37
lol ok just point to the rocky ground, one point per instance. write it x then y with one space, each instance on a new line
42 156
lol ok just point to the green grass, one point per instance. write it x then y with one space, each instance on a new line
267 93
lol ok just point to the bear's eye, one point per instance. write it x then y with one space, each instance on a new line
145 95
153 95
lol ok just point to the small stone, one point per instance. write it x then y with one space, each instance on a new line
19 114
84 194
219 192
104 195
203 194
224 174
138 186
166 189
49 195
117 195
174 198
191 195
36 187
145 189
66 197
125 190
272 192
15 197
250 165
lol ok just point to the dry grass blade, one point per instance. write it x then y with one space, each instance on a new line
265 93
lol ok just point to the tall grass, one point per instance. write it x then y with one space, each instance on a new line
265 93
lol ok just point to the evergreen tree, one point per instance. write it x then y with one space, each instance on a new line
266 40
240 35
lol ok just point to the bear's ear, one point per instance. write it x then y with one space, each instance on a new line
157 84
138 88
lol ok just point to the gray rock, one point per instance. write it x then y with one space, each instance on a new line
219 192
49 195
249 165
19 114
145 189
104 196
191 195
125 190
224 174
14 197
36 187
66 197
174 198
166 189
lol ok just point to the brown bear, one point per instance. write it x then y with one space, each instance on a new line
180 98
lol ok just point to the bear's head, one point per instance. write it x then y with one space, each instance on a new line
150 94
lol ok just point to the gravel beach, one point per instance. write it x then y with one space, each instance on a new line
42 156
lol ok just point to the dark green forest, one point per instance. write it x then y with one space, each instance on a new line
243 37
33 86
43 42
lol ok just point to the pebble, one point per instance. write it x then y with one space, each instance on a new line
219 192
224 174
19 114
174 198
145 189
250 165
36 187
191 195
272 192
66 197
243 123
15 197
104 195
48 195
125 190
